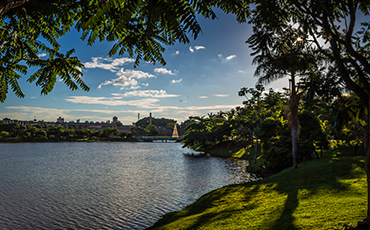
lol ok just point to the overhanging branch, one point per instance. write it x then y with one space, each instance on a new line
7 5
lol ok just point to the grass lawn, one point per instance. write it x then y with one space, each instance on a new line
321 194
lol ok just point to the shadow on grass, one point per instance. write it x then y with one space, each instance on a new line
311 176
203 208
286 218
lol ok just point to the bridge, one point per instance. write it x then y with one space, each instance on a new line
158 139
175 137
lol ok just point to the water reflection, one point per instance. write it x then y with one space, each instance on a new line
103 185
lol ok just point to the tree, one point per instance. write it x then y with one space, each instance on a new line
138 28
254 101
152 130
328 23
279 53
199 134
4 134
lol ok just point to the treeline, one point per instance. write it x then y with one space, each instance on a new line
262 126
14 132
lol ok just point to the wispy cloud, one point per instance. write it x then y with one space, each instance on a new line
199 47
127 78
163 71
108 63
196 48
226 59
127 115
146 103
147 93
41 55
230 57
122 81
176 81
203 97
135 74
112 101
221 95
51 114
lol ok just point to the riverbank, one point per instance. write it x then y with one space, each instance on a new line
325 193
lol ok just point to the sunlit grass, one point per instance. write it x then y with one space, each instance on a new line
320 194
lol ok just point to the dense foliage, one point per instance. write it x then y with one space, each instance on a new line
337 31
262 127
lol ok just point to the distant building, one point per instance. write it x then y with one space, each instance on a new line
95 125
60 120
15 121
77 125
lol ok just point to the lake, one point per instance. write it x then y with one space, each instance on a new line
116 185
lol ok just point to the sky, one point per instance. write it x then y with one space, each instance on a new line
201 77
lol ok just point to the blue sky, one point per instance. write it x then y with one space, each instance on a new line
200 77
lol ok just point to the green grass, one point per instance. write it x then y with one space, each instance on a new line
325 193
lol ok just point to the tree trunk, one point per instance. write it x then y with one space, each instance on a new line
256 150
367 163
367 160
293 118
295 133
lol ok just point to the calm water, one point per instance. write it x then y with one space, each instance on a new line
103 185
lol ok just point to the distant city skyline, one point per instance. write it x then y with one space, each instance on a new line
201 77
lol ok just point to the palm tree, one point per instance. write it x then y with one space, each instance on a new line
280 54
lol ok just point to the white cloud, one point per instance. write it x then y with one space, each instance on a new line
122 81
146 103
230 57
163 70
176 81
41 55
51 114
221 95
148 93
226 59
112 101
127 79
135 74
108 63
126 115
196 48
203 97
200 47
